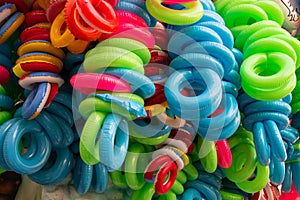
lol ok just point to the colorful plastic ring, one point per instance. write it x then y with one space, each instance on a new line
52 129
154 128
146 193
24 68
153 165
193 107
91 82
147 140
274 84
114 141
10 26
54 8
35 17
224 154
29 81
40 56
90 105
137 8
57 171
89 150
90 12
129 44
75 25
139 83
194 12
176 143
133 175
161 186
129 17
181 153
255 185
36 100
100 58
30 162
59 39
133 107
134 32
40 45
78 46
247 11
176 157
5 127
174 123
100 178
68 136
82 176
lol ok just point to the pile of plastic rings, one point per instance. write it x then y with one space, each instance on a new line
170 99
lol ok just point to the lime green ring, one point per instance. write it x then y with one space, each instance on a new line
237 30
270 44
177 187
192 14
244 162
267 32
272 87
240 139
221 6
89 151
170 195
229 4
181 177
271 94
293 42
258 183
101 58
118 179
134 179
129 44
146 193
265 64
204 147
272 9
242 13
226 195
251 29
210 161
191 172
89 105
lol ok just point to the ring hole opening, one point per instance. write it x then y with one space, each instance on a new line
266 69
192 88
27 145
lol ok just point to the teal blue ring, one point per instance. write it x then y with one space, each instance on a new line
58 171
12 157
114 139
